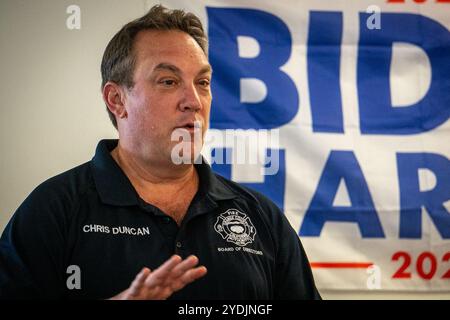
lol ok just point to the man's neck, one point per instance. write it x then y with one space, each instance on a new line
149 175
171 188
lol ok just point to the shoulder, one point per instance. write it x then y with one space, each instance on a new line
277 225
274 217
258 202
250 195
68 184
58 194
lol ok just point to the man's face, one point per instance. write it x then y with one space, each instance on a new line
171 91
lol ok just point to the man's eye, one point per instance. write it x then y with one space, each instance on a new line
204 83
168 82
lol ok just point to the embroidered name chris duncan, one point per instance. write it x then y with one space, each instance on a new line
97 228
236 227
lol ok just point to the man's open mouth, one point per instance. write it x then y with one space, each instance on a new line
190 125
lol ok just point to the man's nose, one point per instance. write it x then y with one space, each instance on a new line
190 100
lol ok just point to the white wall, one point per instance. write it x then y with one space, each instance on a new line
52 115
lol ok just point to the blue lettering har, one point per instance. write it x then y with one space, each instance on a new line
412 199
342 165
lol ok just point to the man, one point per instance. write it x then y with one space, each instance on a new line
134 223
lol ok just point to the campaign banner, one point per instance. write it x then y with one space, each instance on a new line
339 112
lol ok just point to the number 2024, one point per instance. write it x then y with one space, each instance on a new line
403 273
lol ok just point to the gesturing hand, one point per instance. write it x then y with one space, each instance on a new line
161 283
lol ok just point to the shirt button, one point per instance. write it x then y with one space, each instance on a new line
166 220
178 244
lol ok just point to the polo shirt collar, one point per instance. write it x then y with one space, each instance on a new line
114 187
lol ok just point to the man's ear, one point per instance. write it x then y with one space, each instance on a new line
114 97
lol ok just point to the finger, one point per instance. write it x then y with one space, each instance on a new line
184 266
138 282
189 276
159 275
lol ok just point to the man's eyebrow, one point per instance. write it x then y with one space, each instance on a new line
205 69
167 66
177 71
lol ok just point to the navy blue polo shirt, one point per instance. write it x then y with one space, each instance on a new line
91 218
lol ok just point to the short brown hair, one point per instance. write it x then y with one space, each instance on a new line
119 59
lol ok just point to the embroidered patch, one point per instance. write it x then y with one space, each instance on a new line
236 227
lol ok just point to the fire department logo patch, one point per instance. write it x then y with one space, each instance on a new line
236 227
